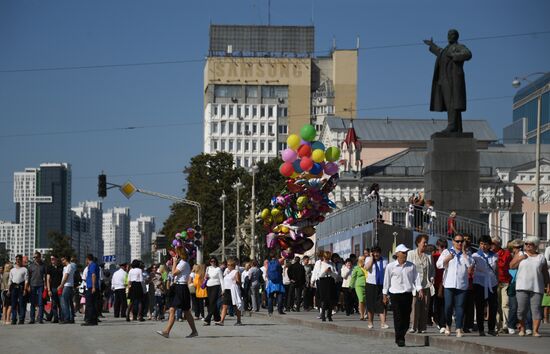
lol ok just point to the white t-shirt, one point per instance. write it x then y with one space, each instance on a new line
69 269
183 275
371 277
118 280
135 274
529 276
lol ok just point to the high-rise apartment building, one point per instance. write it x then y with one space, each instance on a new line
262 83
141 232
87 229
116 234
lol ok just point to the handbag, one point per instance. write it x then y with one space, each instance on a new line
204 282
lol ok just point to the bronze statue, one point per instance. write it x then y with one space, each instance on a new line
448 85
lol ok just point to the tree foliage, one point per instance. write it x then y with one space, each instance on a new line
60 245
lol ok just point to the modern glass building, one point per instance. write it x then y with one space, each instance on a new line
523 130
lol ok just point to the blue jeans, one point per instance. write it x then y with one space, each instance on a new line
454 300
36 299
66 299
17 299
513 314
279 302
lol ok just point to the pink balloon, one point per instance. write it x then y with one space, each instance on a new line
289 155
331 168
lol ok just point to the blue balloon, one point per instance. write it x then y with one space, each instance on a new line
316 169
297 167
317 145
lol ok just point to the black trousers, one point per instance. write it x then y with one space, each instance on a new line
401 306
469 309
492 301
438 305
120 303
348 300
91 306
295 296
214 293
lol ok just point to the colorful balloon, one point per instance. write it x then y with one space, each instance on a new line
304 151
332 154
318 155
308 132
289 155
293 141
306 163
316 169
331 168
296 165
317 145
265 213
286 169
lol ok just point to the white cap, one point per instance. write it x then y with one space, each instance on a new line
401 248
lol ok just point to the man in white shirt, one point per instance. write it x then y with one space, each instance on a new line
18 281
400 279
118 285
457 265
485 284
66 289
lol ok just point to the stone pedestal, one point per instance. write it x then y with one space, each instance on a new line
451 173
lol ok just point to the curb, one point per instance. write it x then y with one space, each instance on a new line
441 342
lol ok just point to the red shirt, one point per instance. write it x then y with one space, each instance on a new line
504 258
438 272
451 224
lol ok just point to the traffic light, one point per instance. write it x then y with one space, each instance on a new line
161 242
102 186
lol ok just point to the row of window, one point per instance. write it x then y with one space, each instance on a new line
248 111
270 91
248 161
322 110
239 128
238 145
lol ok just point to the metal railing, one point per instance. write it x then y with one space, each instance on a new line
352 215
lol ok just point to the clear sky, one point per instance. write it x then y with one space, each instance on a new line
166 99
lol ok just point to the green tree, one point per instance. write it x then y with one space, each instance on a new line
60 245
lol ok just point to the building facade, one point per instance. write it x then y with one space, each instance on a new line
116 234
141 237
256 94
87 229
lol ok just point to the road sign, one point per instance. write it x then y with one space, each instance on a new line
109 259
128 189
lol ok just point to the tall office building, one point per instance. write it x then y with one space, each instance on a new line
87 229
262 83
42 198
141 232
116 234
523 130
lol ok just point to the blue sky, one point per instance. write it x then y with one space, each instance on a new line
54 34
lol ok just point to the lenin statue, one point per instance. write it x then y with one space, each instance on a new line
448 85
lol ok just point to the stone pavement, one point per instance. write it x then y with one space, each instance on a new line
258 335
470 343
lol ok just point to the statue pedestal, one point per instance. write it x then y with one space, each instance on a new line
451 173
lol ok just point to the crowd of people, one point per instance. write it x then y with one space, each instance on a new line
491 290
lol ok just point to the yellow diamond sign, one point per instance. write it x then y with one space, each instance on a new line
128 189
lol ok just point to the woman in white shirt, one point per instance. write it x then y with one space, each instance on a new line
232 292
426 272
327 286
135 295
181 298
531 282
215 289
345 273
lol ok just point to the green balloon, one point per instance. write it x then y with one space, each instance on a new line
332 154
308 132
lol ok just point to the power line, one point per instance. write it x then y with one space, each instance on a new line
188 61
123 175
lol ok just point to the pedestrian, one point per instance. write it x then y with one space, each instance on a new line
92 287
286 284
451 225
65 289
485 285
275 288
358 283
469 299
160 293
308 289
504 258
18 285
400 280
231 293
426 273
37 280
6 301
201 294
181 297
214 286
514 247
254 276
457 265
375 266
345 274
297 276
438 301
532 280
315 279
54 274
135 293
546 297
429 217
327 286
118 285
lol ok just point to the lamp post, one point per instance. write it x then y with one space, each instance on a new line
223 198
517 83
254 169
238 186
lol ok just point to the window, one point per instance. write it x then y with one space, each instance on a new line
223 110
215 110
517 223
238 145
247 128
254 146
254 111
281 146
230 146
263 111
214 145
214 128
231 110
274 91
246 162
262 129
238 162
239 111
230 126
246 145
254 128
283 129
543 224
270 146
270 129
222 128
251 91
262 146
246 111
282 111
227 91
239 127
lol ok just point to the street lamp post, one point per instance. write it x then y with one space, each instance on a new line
517 83
223 198
238 186
254 169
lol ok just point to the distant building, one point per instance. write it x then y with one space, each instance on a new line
257 92
523 130
87 229
141 232
116 234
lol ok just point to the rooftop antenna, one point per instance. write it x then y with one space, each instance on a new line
312 12
357 43
269 12
333 43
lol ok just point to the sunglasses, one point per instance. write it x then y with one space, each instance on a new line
458 241
529 244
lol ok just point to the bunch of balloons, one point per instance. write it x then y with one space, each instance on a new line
312 174
189 239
